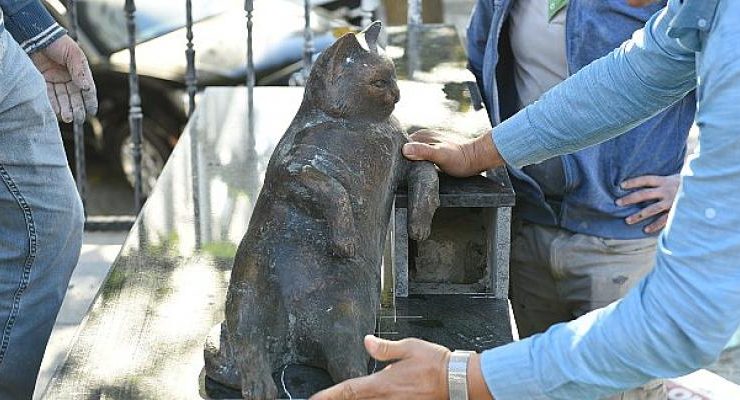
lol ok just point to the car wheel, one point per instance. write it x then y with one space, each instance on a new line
154 154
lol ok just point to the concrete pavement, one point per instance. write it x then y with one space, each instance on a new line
99 250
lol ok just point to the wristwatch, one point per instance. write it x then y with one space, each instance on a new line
457 374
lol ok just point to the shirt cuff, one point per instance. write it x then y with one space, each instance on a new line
33 27
517 142
509 372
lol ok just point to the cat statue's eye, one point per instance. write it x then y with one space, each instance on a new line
380 83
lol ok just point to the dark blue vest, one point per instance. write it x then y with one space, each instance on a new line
592 176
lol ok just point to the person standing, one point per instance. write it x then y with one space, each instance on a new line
585 223
42 73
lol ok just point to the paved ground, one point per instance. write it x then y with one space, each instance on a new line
98 252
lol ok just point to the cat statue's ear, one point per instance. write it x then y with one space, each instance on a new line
371 34
347 46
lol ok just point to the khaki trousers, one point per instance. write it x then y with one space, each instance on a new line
558 275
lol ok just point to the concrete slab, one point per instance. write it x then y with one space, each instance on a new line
99 250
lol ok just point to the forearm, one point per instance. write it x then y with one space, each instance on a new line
477 388
684 312
30 24
609 97
677 320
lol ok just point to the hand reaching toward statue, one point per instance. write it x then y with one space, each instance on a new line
455 157
69 81
418 371
660 190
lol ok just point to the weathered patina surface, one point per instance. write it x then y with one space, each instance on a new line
305 284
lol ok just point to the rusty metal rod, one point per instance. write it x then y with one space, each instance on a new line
366 8
308 47
249 8
135 115
79 131
414 23
191 79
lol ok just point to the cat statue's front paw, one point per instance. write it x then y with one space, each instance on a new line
343 246
419 231
259 387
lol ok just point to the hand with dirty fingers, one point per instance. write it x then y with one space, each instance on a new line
659 190
69 81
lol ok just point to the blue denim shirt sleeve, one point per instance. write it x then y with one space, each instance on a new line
684 312
30 24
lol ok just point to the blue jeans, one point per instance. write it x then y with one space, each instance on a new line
41 221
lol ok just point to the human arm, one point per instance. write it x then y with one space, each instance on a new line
60 60
69 81
30 24
660 191
683 313
606 98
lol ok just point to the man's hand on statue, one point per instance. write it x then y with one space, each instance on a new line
418 371
659 190
69 81
459 158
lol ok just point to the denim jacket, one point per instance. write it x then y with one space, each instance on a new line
592 175
30 24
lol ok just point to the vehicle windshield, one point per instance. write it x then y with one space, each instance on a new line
104 21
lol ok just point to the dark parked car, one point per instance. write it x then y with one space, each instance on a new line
220 44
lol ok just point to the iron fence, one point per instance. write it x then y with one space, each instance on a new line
135 113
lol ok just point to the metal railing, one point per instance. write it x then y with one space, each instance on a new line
249 8
307 41
135 113
191 79
412 37
79 133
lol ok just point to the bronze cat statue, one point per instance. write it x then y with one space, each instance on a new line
305 284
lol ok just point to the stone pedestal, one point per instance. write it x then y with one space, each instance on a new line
468 250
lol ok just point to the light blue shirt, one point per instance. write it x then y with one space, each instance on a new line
682 314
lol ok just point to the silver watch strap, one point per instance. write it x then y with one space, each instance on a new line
457 375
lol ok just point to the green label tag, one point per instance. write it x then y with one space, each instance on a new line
554 6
